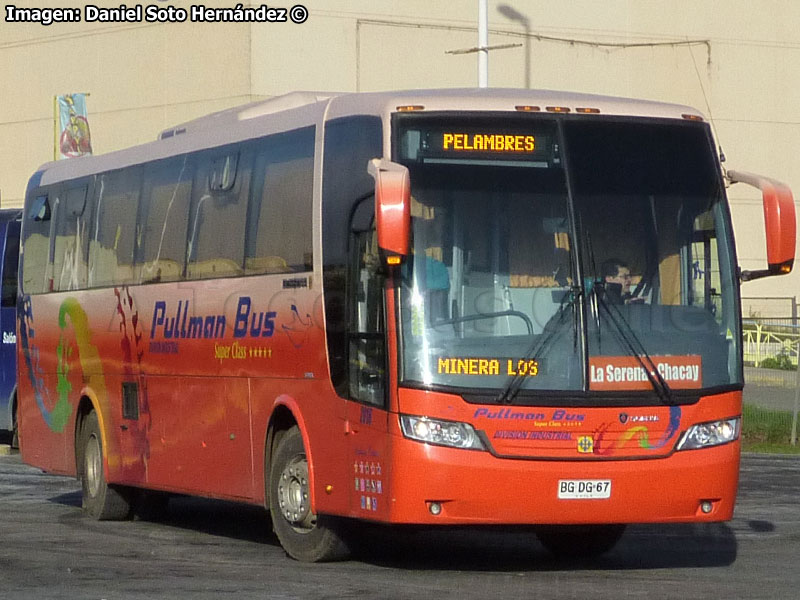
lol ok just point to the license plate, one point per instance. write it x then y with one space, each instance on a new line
584 489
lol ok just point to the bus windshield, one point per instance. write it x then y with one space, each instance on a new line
585 255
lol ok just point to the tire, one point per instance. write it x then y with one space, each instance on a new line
304 536
15 426
579 541
101 501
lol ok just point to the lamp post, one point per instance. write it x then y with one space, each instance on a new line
483 47
483 43
514 15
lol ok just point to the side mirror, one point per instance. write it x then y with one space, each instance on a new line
779 223
392 208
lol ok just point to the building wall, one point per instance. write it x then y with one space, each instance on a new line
736 60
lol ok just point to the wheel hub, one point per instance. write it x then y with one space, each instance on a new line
293 494
93 466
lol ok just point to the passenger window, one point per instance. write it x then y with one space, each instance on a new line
36 245
161 233
218 216
279 231
112 241
69 257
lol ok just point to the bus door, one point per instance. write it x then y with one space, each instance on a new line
366 409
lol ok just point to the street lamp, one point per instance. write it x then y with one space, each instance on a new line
511 13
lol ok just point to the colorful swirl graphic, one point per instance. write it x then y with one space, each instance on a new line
640 433
56 417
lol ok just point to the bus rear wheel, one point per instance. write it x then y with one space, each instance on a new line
101 501
304 536
579 541
15 426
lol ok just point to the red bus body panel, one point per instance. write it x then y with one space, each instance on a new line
205 405
204 402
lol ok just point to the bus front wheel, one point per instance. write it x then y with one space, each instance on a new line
579 541
101 501
304 536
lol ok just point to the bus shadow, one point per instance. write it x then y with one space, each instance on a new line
244 522
517 549
489 549
232 520
68 499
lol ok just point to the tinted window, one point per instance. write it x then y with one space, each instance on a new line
69 257
219 212
162 228
36 243
350 143
114 228
279 236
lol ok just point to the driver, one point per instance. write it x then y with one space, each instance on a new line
616 275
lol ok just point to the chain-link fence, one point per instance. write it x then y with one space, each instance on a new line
782 307
771 345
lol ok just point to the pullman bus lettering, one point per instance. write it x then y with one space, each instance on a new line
180 325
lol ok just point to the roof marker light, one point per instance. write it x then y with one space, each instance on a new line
588 111
527 108
557 109
692 117
410 107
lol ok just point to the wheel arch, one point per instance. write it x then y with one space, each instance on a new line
285 415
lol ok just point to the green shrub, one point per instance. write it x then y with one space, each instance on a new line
781 361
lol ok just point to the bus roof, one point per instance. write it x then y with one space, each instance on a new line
299 109
503 100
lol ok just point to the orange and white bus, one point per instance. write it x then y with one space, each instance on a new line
453 307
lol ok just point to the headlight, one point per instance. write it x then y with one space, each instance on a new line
714 433
441 433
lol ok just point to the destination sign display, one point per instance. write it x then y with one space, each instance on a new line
522 367
456 140
488 142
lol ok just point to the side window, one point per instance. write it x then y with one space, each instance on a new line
36 243
367 358
10 263
69 257
114 228
161 232
218 215
279 237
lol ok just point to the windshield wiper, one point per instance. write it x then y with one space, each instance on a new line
634 346
539 344
625 331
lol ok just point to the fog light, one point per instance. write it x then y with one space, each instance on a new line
706 506
435 508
